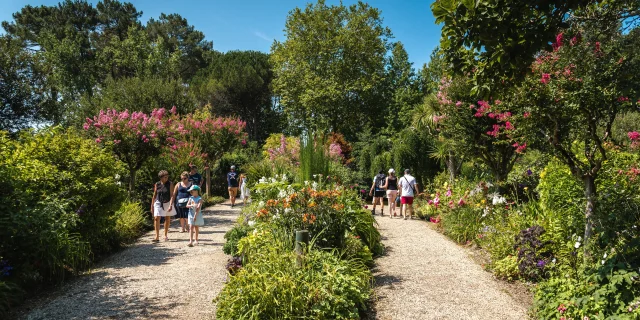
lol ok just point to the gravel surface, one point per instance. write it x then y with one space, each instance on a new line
166 280
424 275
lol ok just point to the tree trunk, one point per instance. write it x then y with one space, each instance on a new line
132 179
590 195
208 177
451 166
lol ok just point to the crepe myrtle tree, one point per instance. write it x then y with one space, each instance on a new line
572 96
472 127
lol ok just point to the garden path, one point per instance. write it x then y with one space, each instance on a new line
167 280
424 275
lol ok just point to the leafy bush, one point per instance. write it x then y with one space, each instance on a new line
506 268
610 291
272 287
208 201
130 221
533 254
234 235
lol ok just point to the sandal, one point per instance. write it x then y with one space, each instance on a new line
166 238
190 244
155 240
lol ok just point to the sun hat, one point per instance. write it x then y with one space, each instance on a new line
392 171
233 167
194 187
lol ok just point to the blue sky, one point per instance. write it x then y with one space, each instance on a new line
254 24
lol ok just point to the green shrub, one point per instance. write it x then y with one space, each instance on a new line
209 201
130 221
609 291
272 287
234 235
462 224
355 249
506 268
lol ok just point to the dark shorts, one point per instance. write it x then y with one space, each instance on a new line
379 193
182 213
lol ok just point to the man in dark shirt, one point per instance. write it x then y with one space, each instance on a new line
232 183
194 177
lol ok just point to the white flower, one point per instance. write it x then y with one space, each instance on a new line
605 256
314 186
498 199
306 183
287 210
261 204
117 177
485 212
252 223
255 231
603 262
315 175
579 238
554 260
577 245
489 184
273 180
282 194
262 180
284 177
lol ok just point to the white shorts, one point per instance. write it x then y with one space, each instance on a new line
392 193
161 210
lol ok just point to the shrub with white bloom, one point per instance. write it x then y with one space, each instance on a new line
282 194
605 256
577 245
284 177
262 180
260 204
273 180
252 223
306 183
498 199
554 260
314 186
485 212
287 210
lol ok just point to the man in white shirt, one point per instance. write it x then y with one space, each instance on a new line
408 190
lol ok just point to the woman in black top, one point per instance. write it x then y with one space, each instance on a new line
181 193
391 185
161 204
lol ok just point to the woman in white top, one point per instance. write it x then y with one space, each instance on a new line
244 188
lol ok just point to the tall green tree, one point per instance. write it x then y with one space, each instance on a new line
181 37
404 88
329 72
238 83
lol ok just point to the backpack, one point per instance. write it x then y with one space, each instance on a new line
380 181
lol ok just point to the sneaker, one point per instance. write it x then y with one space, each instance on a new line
405 218
373 212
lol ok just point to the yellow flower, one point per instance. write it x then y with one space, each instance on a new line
526 188
483 201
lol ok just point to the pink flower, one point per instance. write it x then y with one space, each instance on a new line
86 126
492 115
173 110
520 148
527 114
459 103
558 42
98 140
117 141
545 78
461 202
623 99
509 126
597 46
496 130
243 142
448 194
633 135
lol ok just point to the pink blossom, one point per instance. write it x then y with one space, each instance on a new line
492 115
527 114
86 126
520 148
173 110
508 126
558 42
243 142
461 202
623 99
98 140
545 78
498 102
459 103
496 130
117 141
448 194
633 135
597 46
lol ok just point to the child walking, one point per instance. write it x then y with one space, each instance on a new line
195 215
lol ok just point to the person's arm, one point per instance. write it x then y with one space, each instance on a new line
175 195
372 186
228 180
170 196
415 185
386 183
399 188
189 203
153 199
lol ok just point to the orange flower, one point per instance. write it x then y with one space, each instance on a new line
286 204
312 204
262 213
310 218
338 206
272 203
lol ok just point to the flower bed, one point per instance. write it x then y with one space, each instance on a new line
330 281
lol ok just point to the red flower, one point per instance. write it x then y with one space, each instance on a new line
545 78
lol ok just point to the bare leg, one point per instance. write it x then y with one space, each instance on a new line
381 199
197 232
167 222
191 234
156 227
410 209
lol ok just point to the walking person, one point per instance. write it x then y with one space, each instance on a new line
408 190
377 191
181 194
161 204
244 189
194 177
196 220
391 185
232 183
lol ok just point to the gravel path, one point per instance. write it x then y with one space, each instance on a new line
424 275
151 281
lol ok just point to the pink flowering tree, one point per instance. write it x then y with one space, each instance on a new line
471 127
572 96
133 137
